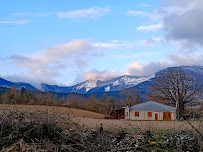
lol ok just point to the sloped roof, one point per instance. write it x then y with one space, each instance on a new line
152 106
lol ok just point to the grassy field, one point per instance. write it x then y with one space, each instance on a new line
94 120
58 110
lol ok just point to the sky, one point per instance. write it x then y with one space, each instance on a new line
69 41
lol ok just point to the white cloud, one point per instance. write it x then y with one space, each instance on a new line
148 69
171 60
115 41
97 75
150 27
153 40
54 54
186 59
91 13
182 23
137 13
154 16
115 45
145 5
15 22
140 69
47 64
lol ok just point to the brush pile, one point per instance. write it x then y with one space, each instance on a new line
41 131
38 131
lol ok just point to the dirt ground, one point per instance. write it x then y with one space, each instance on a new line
144 125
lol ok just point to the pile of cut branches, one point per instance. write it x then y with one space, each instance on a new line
36 131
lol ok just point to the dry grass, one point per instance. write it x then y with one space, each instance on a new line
93 120
143 125
59 110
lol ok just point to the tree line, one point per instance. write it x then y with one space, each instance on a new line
104 105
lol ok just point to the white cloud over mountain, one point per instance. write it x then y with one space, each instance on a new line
48 63
171 60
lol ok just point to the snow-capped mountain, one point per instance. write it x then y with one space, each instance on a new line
92 86
195 71
122 82
99 85
8 84
78 88
118 83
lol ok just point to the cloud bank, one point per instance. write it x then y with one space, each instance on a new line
183 22
47 64
171 60
139 69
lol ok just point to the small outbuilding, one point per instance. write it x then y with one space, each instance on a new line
150 111
119 113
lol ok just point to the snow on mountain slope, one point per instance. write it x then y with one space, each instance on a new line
118 83
88 85
93 86
107 89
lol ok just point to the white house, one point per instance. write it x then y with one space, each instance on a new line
150 111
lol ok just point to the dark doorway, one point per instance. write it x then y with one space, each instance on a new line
156 116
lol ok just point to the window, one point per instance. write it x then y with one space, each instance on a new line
149 114
136 114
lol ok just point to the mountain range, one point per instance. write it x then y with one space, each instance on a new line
8 84
94 86
139 83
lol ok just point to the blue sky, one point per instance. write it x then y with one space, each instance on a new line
65 42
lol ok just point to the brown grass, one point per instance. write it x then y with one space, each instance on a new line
58 110
143 125
93 120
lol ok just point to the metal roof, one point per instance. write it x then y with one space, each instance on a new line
152 106
118 108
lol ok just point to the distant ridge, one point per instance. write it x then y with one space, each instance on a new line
101 86
8 84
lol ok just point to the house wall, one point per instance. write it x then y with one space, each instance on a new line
127 116
173 115
143 115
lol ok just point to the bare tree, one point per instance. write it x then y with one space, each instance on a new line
133 96
175 88
108 103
